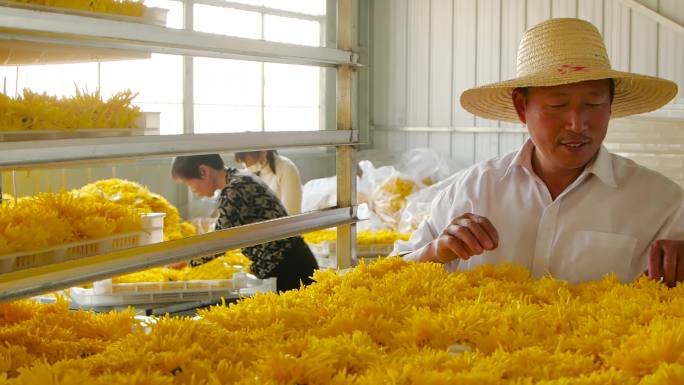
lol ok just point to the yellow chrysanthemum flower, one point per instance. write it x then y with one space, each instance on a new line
58 218
132 194
34 112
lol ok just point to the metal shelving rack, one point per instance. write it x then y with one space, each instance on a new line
92 32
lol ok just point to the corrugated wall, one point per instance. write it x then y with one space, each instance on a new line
425 52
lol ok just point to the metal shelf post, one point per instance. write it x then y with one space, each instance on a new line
346 176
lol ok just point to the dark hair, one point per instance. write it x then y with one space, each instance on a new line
187 167
270 157
611 86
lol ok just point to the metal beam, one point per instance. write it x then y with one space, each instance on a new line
24 283
15 155
89 31
344 165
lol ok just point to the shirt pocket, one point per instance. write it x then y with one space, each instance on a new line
594 254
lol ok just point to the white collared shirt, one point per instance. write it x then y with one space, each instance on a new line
602 223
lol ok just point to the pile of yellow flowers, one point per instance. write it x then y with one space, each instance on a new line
135 195
117 7
390 322
32 333
50 219
218 268
363 237
34 111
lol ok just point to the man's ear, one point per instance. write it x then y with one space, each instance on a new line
520 104
203 171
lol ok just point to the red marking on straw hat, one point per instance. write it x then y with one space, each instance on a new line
567 68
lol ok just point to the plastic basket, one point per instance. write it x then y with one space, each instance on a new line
148 122
104 293
329 249
153 225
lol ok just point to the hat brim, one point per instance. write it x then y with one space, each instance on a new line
634 93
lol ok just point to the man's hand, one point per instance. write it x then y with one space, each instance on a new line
666 261
467 235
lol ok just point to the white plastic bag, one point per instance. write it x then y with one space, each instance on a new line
424 165
319 194
418 204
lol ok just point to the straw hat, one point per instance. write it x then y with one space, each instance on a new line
564 51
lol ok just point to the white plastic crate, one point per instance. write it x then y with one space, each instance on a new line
326 262
153 232
104 293
329 248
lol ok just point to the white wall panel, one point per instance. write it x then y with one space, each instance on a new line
563 8
440 76
380 140
591 11
510 142
644 49
512 30
616 23
396 89
380 60
488 47
396 142
441 142
463 149
486 146
537 11
418 62
463 57
671 44
417 140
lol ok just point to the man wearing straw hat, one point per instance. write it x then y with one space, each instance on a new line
562 204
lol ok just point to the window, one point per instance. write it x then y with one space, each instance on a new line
236 96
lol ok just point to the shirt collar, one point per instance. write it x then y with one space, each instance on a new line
522 159
601 166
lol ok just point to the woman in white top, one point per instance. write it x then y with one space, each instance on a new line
279 173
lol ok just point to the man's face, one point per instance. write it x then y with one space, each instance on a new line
567 123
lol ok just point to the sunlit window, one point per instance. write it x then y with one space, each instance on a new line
234 96
294 31
158 82
227 21
229 95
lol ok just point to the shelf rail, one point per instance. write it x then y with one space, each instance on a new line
24 283
52 27
27 154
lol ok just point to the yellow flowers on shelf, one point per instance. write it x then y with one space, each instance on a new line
35 112
116 7
363 237
389 322
134 195
219 268
50 219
